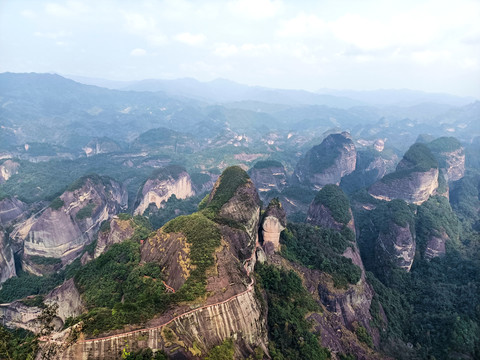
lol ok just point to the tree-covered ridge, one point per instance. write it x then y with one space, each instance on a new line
263 164
204 236
444 144
419 157
289 332
335 200
322 249
231 179
170 171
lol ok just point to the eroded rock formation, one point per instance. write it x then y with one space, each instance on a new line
63 229
268 175
7 262
328 162
11 209
118 231
273 223
172 180
7 169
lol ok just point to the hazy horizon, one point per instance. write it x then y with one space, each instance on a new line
431 46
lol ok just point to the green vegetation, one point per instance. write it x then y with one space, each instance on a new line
335 200
57 203
86 211
204 236
172 208
42 260
322 249
224 351
170 171
290 334
198 179
229 181
444 144
363 335
266 164
118 290
144 354
17 345
322 156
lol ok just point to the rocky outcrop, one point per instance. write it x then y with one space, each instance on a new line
102 145
396 245
328 162
451 157
118 231
7 262
63 229
7 169
273 223
415 178
268 175
172 180
436 245
11 209
19 314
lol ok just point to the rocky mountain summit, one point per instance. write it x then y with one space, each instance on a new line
55 236
268 175
162 184
328 162
414 180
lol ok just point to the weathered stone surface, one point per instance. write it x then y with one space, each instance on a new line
68 298
7 262
397 245
100 146
268 178
328 162
18 315
454 164
7 169
414 188
160 189
273 223
436 245
11 209
120 230
60 233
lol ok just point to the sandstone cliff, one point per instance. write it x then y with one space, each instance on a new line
397 245
451 157
268 175
63 229
172 180
7 263
415 178
102 145
117 231
11 209
328 162
7 169
273 223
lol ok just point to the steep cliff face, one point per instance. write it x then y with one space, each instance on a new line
273 223
7 169
172 180
102 145
397 245
7 263
451 157
118 231
68 299
61 230
11 209
268 175
415 178
328 162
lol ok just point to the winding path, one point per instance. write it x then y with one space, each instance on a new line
249 288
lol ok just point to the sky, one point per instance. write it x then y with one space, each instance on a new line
429 45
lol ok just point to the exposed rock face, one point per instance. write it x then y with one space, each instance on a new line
436 245
68 298
396 245
273 223
328 162
61 232
19 315
382 166
7 262
10 210
415 179
454 164
120 230
173 180
101 146
268 175
320 215
7 169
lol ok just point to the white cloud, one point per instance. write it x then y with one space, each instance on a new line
138 52
255 50
28 14
52 35
225 50
69 8
303 25
145 27
255 9
191 39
